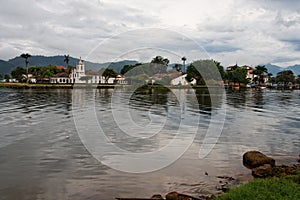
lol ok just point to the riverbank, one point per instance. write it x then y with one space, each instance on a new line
53 86
277 188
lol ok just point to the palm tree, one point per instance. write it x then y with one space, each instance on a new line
26 56
183 65
66 60
260 72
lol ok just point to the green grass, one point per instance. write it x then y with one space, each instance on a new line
285 188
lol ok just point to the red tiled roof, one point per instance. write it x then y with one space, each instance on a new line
61 67
63 75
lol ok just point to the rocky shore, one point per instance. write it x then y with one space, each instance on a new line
262 166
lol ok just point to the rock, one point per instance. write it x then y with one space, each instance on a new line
177 196
157 197
262 171
254 159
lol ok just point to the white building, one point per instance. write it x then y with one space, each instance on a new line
181 80
78 75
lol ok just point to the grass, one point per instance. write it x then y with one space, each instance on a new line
284 188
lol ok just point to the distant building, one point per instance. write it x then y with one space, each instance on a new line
174 79
181 80
61 78
250 76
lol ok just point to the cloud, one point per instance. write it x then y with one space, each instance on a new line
251 32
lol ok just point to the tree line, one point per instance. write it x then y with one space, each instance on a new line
159 65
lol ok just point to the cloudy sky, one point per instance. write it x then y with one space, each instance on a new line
244 31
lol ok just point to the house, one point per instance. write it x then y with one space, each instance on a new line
174 79
181 80
250 76
61 78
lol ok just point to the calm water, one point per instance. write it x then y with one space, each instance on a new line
42 156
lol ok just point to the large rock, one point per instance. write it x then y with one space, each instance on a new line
254 159
263 171
177 196
157 197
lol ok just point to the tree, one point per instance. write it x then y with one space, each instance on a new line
160 60
183 64
158 65
1 76
298 79
220 69
260 72
193 73
70 69
18 73
127 68
109 73
6 77
36 71
239 75
26 56
177 67
208 70
285 77
66 60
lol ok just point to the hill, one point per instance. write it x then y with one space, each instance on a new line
295 69
7 66
274 69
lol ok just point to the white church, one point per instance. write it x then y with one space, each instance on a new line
78 75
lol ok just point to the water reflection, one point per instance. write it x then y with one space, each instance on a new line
42 156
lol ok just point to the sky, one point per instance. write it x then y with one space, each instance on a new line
248 32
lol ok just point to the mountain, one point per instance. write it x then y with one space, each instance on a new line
274 69
117 66
51 60
295 69
5 67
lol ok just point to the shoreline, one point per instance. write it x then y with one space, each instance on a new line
103 86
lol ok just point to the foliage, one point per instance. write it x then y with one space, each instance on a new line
260 72
109 73
285 77
67 59
156 66
193 73
7 77
18 73
284 188
127 68
298 79
178 67
208 70
26 56
160 60
1 76
239 75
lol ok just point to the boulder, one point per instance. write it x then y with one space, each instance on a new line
263 171
157 197
177 196
254 159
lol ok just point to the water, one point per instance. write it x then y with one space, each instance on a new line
42 156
